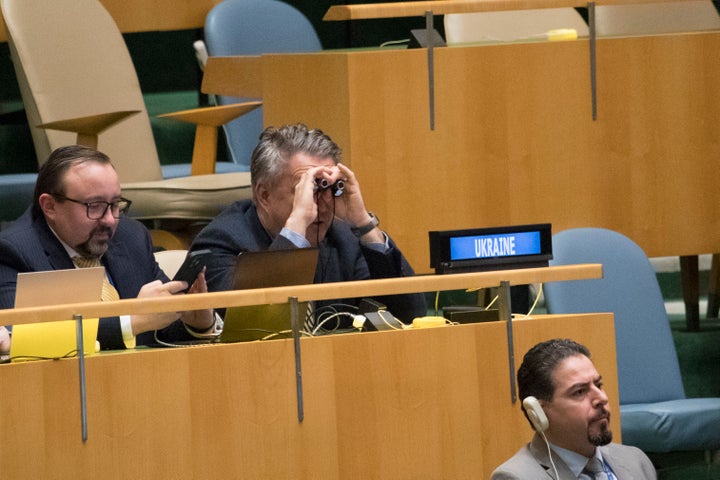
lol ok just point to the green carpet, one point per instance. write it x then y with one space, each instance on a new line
699 358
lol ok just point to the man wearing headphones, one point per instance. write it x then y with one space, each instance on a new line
564 401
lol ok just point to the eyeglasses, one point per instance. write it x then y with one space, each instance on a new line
97 210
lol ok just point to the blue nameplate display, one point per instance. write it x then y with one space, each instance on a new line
479 249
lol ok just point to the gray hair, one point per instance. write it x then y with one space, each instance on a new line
278 145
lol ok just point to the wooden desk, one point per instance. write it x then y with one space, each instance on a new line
430 403
514 141
400 404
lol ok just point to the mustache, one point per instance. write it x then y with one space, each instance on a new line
101 229
603 415
88 247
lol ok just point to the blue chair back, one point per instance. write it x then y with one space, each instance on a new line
16 194
648 368
254 27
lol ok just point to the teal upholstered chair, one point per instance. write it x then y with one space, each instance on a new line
254 27
655 414
16 194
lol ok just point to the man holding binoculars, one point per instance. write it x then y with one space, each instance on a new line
304 197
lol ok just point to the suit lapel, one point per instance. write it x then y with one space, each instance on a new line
617 461
56 254
117 262
539 450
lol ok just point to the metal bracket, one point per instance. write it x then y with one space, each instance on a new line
431 66
81 371
506 313
295 323
593 59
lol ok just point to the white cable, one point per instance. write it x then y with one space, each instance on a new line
330 317
281 332
382 317
491 303
394 42
550 454
537 298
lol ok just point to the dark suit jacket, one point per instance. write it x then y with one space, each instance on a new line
532 461
29 245
342 256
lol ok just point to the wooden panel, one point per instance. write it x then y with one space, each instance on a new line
239 76
151 15
514 141
430 403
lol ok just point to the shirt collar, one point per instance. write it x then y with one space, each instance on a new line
575 462
70 251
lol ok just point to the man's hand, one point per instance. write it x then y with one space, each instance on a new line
4 340
305 209
199 319
350 207
156 321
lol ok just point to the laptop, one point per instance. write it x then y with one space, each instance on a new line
266 269
55 339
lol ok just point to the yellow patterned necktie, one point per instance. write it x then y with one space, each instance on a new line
109 293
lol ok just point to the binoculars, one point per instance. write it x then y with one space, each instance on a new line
336 188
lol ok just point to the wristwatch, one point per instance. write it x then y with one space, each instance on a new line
362 230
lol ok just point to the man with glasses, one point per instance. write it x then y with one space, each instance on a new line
78 219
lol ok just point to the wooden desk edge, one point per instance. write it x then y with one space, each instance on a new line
443 7
326 291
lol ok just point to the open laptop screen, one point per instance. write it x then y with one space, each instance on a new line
266 269
55 287
275 268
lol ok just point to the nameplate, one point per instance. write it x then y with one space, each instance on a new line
481 249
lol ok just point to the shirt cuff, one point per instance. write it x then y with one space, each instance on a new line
126 329
379 247
212 332
294 237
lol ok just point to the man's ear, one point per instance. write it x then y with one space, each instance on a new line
261 195
47 204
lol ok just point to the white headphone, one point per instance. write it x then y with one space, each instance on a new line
536 414
540 423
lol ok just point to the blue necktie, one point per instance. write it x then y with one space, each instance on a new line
595 469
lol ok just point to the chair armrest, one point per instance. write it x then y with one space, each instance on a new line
88 128
207 121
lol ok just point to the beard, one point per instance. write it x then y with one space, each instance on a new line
603 437
93 247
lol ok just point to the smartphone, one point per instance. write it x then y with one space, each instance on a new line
194 263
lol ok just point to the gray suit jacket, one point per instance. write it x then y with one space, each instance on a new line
29 245
531 462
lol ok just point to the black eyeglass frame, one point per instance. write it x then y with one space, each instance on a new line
88 205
